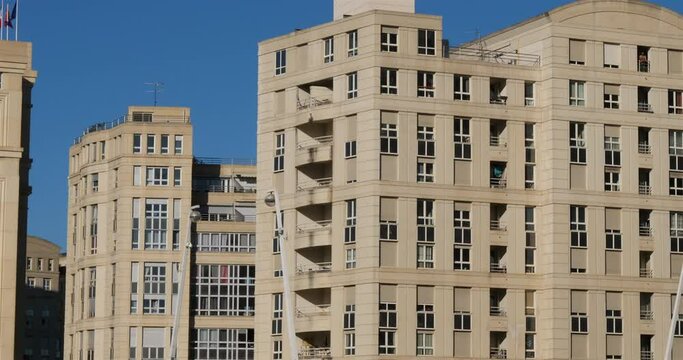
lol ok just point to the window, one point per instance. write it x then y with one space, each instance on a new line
151 146
92 291
51 265
611 96
178 144
461 258
350 149
277 349
349 343
577 227
388 81
612 239
95 182
31 282
226 242
350 226
279 158
29 263
425 141
425 220
40 264
389 39
352 37
530 241
153 343
387 328
577 52
276 328
676 231
676 150
280 62
425 317
462 321
94 217
157 176
154 300
224 290
579 322
675 186
614 321
135 231
177 176
426 42
388 230
462 139
47 284
352 81
425 171
612 151
388 139
529 157
577 143
156 218
529 93
349 317
461 87
462 227
576 93
529 346
164 144
612 182
675 102
425 84
328 56
612 55
137 143
210 344
425 343
350 258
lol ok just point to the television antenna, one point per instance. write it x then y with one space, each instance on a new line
156 87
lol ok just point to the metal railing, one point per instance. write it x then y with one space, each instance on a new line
644 148
223 161
218 217
494 56
498 353
315 183
222 189
644 189
497 141
321 353
644 66
312 310
529 102
499 100
645 273
498 268
647 355
498 183
496 225
314 226
644 107
497 311
645 231
314 268
646 314
529 269
106 125
311 102
315 142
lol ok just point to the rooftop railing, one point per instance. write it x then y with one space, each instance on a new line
135 117
494 56
224 161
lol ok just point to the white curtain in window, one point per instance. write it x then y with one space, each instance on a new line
612 54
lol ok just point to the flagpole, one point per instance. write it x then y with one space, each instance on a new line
16 29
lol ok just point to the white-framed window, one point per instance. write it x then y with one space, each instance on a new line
462 321
178 144
31 282
675 185
577 52
425 220
612 179
350 222
389 39
387 328
352 40
426 42
209 344
177 176
577 226
425 171
388 230
676 150
349 316
350 149
461 258
156 223
529 99
350 258
577 96
614 321
461 90
94 217
92 291
530 240
164 144
226 242
154 298
352 82
529 346
462 139
425 141
425 343
135 228
224 290
676 231
612 55
51 265
47 284
425 317
675 101
611 96
95 182
425 256
29 263
579 322
279 157
276 328
388 81
157 176
349 343
153 343
280 62
577 143
134 268
612 239
612 151
328 55
137 143
41 262
462 227
425 84
388 134
151 143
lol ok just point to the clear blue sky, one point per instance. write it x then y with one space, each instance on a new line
93 58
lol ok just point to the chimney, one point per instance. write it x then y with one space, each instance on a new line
352 7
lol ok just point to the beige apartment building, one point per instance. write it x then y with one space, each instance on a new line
43 301
16 83
131 185
514 197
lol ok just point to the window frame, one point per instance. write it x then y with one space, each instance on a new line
425 45
388 81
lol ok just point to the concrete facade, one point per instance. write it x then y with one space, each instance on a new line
17 80
131 185
515 197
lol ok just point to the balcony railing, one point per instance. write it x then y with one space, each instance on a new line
499 268
312 310
497 311
529 102
497 141
494 56
496 225
645 273
498 183
499 100
228 218
129 118
314 268
644 148
315 183
644 189
315 142
224 161
315 226
644 66
646 314
321 353
222 189
498 353
647 355
311 102
645 231
644 107
529 269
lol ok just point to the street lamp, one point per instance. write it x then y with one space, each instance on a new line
273 200
192 217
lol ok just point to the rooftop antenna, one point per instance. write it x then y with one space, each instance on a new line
157 87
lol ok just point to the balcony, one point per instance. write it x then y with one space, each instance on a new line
644 189
645 231
645 273
221 217
644 66
498 268
312 310
498 353
646 314
312 268
496 141
644 149
647 355
311 184
497 311
315 226
496 225
644 107
498 183
319 353
316 142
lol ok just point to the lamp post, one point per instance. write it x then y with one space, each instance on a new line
192 217
273 200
